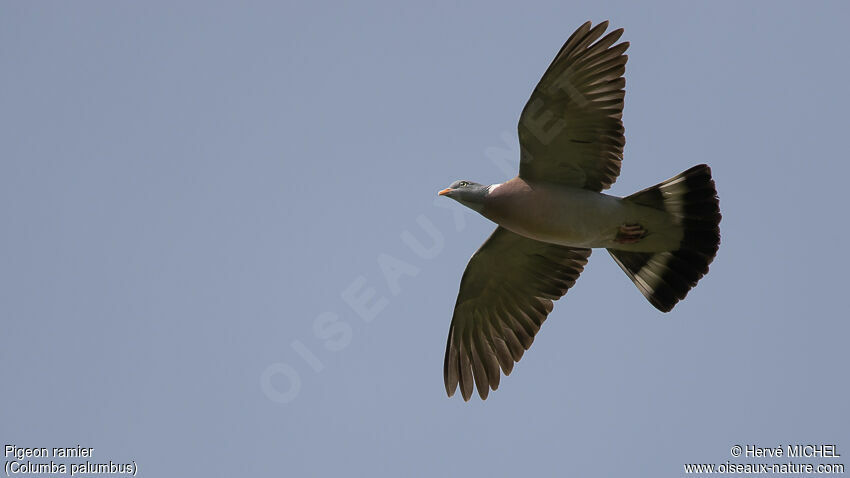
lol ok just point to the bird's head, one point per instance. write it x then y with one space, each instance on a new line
468 193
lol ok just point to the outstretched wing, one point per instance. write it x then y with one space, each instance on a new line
505 295
571 129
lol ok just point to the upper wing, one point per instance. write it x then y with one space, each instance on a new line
571 129
505 295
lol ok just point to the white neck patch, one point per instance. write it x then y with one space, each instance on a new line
492 187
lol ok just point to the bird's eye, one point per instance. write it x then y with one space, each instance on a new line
464 183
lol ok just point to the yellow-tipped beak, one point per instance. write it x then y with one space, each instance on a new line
445 191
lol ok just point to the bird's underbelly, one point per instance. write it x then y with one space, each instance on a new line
560 221
581 218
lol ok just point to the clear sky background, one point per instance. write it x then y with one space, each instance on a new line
188 190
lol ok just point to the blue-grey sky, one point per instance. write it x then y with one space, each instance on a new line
192 192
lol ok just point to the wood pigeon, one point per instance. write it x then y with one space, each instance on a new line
552 214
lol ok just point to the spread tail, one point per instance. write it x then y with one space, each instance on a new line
665 278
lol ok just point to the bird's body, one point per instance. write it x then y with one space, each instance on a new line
576 217
554 213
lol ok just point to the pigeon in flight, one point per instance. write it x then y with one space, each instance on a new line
552 214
